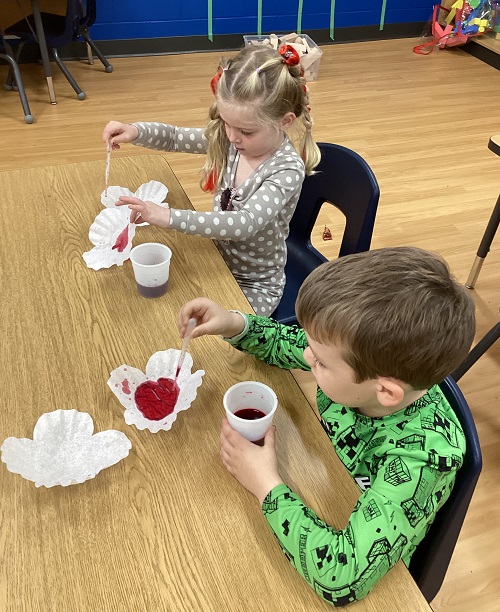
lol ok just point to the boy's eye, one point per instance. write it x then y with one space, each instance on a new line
318 362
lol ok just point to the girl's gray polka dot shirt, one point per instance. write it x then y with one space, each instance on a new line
251 237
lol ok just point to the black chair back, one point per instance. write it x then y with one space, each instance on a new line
345 180
430 561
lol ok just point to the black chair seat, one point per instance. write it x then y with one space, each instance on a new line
53 26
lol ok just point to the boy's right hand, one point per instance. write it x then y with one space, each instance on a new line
119 133
212 319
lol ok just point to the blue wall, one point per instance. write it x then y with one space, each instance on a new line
133 19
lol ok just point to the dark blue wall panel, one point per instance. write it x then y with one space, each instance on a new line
130 19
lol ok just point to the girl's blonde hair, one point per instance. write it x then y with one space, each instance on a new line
260 77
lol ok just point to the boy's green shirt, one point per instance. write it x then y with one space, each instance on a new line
405 465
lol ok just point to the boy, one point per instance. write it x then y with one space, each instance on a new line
380 330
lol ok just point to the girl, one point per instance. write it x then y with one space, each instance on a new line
251 167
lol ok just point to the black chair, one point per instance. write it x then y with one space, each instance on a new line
430 561
60 30
87 18
344 179
8 55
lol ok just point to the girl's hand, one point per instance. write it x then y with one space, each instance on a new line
147 211
255 467
119 133
212 319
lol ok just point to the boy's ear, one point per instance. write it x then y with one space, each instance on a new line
390 392
288 120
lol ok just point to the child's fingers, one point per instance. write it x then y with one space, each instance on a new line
226 437
194 309
270 437
131 200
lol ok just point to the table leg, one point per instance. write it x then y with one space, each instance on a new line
43 49
484 247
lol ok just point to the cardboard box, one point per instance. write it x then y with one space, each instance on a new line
310 53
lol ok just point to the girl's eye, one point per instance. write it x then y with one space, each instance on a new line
246 133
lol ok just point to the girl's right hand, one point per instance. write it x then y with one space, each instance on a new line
212 319
119 133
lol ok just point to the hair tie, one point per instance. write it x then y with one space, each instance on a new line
290 55
215 79
211 181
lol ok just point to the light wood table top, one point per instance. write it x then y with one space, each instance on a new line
167 528
14 10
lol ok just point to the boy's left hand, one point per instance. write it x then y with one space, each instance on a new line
255 467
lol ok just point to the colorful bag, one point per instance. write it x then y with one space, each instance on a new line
455 25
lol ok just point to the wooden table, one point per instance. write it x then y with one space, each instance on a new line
167 528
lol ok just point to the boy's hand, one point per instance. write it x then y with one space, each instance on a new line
212 319
146 211
119 133
255 467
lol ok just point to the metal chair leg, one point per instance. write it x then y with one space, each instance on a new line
90 57
28 117
81 95
90 43
10 81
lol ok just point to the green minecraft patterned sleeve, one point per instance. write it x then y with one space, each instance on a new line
405 465
276 344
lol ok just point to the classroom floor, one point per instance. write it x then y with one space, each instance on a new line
422 123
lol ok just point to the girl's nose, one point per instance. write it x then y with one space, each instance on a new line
232 135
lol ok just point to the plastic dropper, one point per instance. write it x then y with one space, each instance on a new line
192 323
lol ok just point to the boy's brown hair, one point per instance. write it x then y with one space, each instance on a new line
394 312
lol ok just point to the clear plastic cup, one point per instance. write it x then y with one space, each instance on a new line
151 263
250 408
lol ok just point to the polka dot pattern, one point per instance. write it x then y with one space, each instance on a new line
251 237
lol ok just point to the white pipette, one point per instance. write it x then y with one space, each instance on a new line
192 323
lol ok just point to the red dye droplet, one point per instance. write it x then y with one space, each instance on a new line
157 399
126 387
121 241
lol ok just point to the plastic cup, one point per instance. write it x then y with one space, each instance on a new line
151 263
248 399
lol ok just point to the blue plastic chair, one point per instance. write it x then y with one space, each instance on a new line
344 179
60 30
430 561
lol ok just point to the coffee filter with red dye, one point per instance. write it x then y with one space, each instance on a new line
64 450
126 380
152 191
112 235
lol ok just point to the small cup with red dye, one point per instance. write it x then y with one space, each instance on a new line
151 263
250 408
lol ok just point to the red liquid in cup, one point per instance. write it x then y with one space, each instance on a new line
152 292
249 414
